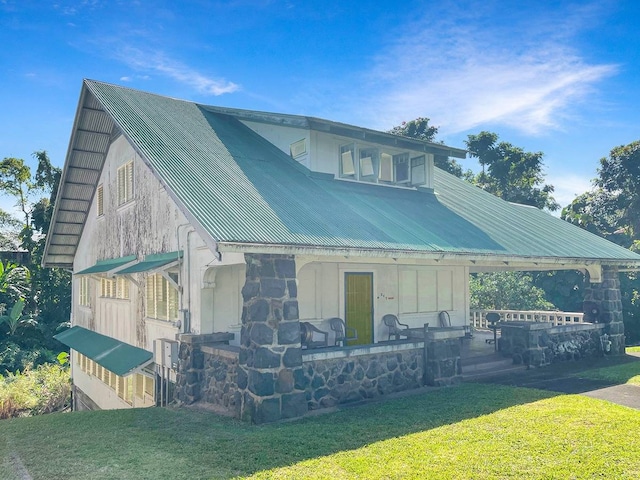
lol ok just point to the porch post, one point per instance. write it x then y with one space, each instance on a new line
270 349
606 296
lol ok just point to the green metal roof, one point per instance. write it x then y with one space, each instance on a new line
239 189
117 357
108 264
152 262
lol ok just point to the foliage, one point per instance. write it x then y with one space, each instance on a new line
612 210
465 432
16 358
45 389
14 282
509 172
506 291
14 319
420 129
562 288
46 292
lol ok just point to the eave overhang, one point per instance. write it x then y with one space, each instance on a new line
91 136
479 259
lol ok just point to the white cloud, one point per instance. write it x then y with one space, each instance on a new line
160 63
568 185
469 73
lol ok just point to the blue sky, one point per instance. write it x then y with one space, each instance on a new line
552 76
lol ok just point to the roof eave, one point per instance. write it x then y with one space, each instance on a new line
470 257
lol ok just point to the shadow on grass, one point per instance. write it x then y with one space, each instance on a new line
189 444
576 377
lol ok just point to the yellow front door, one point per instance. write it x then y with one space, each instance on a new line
359 306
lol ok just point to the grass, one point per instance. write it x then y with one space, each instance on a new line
470 431
625 373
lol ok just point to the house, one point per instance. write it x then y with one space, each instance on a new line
201 239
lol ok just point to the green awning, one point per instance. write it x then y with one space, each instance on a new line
152 262
106 265
114 355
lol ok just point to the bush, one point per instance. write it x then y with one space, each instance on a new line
45 389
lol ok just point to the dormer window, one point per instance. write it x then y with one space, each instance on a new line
372 164
347 165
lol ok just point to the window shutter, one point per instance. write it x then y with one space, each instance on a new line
151 297
100 200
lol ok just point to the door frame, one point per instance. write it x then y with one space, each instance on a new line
368 273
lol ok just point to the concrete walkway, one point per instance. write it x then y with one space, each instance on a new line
565 378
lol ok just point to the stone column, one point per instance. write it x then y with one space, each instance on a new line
606 296
270 349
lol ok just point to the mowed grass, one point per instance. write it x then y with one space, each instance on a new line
619 374
473 431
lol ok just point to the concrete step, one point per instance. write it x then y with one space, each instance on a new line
488 366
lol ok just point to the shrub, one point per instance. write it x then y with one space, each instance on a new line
44 389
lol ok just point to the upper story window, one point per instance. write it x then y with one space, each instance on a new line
372 164
125 183
83 294
100 201
114 288
161 298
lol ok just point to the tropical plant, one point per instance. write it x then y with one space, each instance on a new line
14 319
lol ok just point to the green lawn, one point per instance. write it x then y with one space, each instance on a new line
470 431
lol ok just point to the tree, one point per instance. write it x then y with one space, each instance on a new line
612 210
421 130
506 291
509 172
48 300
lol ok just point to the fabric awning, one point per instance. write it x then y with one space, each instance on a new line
106 265
152 262
114 355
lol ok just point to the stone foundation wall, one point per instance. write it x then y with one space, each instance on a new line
443 362
207 371
540 344
220 378
334 381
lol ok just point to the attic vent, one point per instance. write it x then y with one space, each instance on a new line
298 148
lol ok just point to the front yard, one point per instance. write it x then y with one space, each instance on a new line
470 431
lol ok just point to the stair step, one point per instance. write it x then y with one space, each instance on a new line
493 365
484 372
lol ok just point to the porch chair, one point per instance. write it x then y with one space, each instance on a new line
307 331
493 318
393 324
343 333
444 319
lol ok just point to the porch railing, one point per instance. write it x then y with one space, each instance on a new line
477 318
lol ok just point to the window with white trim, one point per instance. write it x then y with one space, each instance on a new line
83 293
114 288
125 183
161 298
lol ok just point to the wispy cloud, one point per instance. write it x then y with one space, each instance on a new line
521 72
147 61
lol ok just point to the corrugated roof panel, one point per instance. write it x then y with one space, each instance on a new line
95 121
242 189
73 205
87 160
54 249
80 175
90 141
79 191
70 217
67 228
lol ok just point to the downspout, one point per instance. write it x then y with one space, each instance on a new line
186 277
